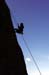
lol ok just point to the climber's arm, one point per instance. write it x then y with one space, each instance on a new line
18 31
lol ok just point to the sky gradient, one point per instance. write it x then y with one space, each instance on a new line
35 16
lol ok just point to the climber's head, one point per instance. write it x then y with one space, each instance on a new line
21 25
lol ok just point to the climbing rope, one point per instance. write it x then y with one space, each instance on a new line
29 51
31 55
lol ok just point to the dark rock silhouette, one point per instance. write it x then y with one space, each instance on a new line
11 56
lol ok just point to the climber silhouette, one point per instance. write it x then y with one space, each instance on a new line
11 56
20 28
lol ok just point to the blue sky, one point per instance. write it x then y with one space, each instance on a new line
35 16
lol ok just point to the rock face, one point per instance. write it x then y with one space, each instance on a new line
11 56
